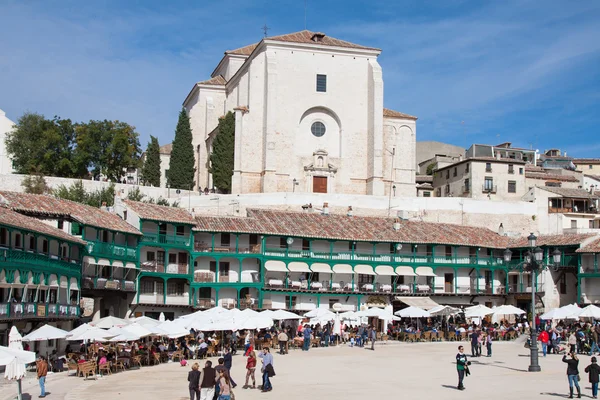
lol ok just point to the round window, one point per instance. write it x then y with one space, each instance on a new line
318 129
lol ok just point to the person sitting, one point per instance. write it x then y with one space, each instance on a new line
202 349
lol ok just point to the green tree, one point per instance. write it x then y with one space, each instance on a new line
221 158
430 168
107 147
181 166
151 169
42 145
35 184
76 192
135 195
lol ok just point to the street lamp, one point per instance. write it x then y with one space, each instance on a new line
533 263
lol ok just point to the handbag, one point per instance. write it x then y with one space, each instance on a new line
578 378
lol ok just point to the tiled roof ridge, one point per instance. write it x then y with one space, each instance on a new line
218 80
171 214
389 113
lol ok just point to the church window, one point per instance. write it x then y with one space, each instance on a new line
318 129
321 83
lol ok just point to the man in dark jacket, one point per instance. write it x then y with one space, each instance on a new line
228 361
194 382
207 386
593 371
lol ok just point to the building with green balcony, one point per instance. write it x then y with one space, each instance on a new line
588 272
40 273
109 263
164 252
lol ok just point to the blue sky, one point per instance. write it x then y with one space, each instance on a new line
472 71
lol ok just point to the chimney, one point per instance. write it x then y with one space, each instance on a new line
350 212
325 209
396 225
317 37
501 230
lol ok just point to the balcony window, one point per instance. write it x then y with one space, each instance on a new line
3 236
455 171
175 288
18 241
180 230
512 187
160 258
225 239
61 224
223 268
447 174
488 167
467 167
293 301
45 246
520 171
488 184
282 243
305 244
150 256
172 258
467 186
253 240
146 286
448 251
32 243
511 169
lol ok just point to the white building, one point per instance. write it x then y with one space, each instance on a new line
309 117
6 125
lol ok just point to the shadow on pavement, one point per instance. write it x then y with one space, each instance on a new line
554 394
449 387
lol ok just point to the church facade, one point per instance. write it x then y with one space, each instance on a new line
309 117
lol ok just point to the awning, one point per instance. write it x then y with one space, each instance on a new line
342 268
364 269
278 266
53 281
64 282
74 285
118 263
422 302
384 270
425 271
298 266
102 261
405 271
320 267
130 265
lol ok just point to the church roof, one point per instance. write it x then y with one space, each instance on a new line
166 148
217 80
305 36
387 113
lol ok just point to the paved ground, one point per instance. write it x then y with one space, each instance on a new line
395 369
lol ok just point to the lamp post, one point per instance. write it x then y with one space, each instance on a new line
533 263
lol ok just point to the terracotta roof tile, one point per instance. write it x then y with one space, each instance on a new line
47 206
155 212
243 51
586 161
596 177
593 247
166 148
483 159
14 219
387 113
573 239
572 193
216 81
342 227
423 178
554 177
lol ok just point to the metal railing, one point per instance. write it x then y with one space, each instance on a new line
43 260
112 250
15 311
155 238
489 188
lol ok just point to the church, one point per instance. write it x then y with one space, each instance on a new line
309 117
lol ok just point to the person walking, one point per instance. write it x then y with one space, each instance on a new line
462 365
207 385
42 371
572 343
247 340
593 371
267 369
594 337
544 338
234 340
572 373
307 331
194 382
474 343
224 385
373 337
283 339
228 361
250 368
488 343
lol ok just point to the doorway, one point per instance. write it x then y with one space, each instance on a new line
319 184
449 283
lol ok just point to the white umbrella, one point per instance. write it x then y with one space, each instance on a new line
337 325
590 311
15 369
445 311
46 332
173 329
348 315
255 322
145 321
79 330
282 315
8 355
94 334
478 311
507 310
138 330
321 314
412 312
109 322
570 311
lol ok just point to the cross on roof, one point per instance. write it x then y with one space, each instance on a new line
265 28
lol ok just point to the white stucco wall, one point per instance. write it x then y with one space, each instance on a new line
6 125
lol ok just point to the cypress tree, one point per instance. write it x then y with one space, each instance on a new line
181 167
221 158
151 169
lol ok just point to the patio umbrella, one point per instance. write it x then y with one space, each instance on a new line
79 330
478 311
445 311
590 311
146 322
283 315
94 334
46 332
109 322
413 312
173 329
507 310
255 322
320 313
139 330
15 367
570 311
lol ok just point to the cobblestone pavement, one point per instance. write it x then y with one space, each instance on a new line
392 370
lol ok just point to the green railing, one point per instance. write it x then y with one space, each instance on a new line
112 250
37 310
91 282
176 240
41 260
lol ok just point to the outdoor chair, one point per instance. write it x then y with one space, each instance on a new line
410 337
104 368
136 360
426 336
156 359
179 355
119 365
88 368
72 366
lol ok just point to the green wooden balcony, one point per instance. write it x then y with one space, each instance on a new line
172 240
49 263
17 311
112 251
